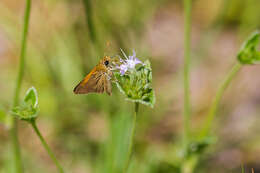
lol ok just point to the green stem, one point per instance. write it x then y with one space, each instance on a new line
45 145
242 168
130 147
13 131
89 20
187 52
91 26
214 106
18 168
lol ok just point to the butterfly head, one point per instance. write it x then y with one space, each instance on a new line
106 62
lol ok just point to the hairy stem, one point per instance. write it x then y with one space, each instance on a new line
130 147
13 131
46 147
214 106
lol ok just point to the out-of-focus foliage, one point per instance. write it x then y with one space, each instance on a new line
2 116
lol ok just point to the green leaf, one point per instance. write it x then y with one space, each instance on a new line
248 54
28 109
137 84
31 97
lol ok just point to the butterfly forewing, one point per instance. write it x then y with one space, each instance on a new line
94 82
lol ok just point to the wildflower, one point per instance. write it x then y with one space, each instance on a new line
123 68
128 63
133 61
135 82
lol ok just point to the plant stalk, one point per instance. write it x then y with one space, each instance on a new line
91 25
13 131
214 106
130 147
89 20
46 147
187 52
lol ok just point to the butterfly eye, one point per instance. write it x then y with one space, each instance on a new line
106 63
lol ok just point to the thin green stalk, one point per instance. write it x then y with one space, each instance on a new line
16 155
130 147
89 20
242 168
13 131
93 36
214 106
91 26
187 52
46 147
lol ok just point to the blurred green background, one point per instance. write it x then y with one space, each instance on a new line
89 134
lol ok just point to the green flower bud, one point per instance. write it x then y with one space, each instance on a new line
28 109
248 53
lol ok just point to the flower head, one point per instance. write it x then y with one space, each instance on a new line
132 61
136 84
123 68
128 63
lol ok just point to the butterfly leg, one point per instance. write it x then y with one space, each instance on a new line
111 77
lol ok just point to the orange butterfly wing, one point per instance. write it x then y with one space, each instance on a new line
94 82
